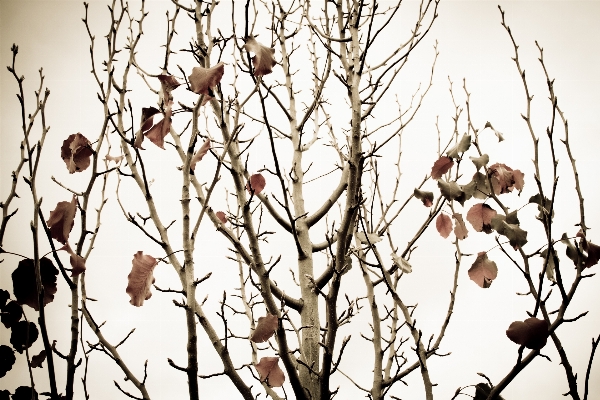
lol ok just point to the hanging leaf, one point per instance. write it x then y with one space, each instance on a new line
23 334
222 217
451 191
269 371
460 229
550 267
480 161
263 60
168 83
62 219
36 361
203 80
146 123
443 224
7 359
11 314
256 184
592 250
531 333
116 160
498 134
76 152
441 166
265 328
401 263
572 252
200 154
425 197
24 282
504 179
516 236
140 278
482 186
483 271
158 132
77 262
480 216
544 206
369 238
460 147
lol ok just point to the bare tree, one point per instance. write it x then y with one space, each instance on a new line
260 97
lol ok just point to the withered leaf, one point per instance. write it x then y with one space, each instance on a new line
401 263
24 282
460 229
425 197
202 80
441 166
76 152
499 135
269 371
505 179
592 250
23 334
451 191
480 161
77 262
141 278
443 224
62 219
551 265
200 154
460 147
532 333
371 237
256 184
265 328
157 133
263 60
483 271
480 216
37 360
516 236
222 217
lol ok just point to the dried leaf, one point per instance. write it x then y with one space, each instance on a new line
441 166
550 267
76 152
200 154
532 333
263 60
425 197
593 251
7 359
140 278
401 263
11 314
157 133
482 186
24 282
202 80
265 328
504 179
222 217
256 184
372 237
572 252
62 219
480 161
451 191
443 224
77 262
36 361
498 134
483 271
168 83
116 160
269 371
460 147
544 205
480 216
23 334
516 235
460 229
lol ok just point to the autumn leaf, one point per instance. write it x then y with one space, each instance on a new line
116 160
572 252
202 80
23 334
77 262
425 197
480 161
62 219
481 189
7 359
37 360
256 184
222 217
157 133
140 278
480 216
460 147
498 134
483 271
441 166
401 263
269 371
592 250
168 83
504 179
502 224
460 229
369 238
451 191
263 60
146 123
265 328
551 265
24 282
11 314
443 224
544 206
76 152
200 154
531 333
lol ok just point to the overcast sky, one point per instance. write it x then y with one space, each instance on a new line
472 45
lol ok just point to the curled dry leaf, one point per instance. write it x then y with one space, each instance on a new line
23 334
460 229
269 371
443 224
480 216
24 282
460 147
76 152
265 328
200 154
77 262
202 80
592 250
157 133
140 278
263 60
11 314
256 184
401 263
168 83
483 271
146 123
37 360
498 134
7 359
550 267
62 219
505 179
369 238
572 252
222 217
531 333
425 197
441 166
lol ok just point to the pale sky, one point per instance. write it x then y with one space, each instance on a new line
472 45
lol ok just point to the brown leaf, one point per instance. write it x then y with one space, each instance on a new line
441 166
256 184
61 220
36 361
460 147
76 152
265 328
202 80
480 216
140 278
222 217
77 262
110 158
263 59
504 179
425 197
480 161
531 333
24 282
460 229
157 133
168 83
200 154
593 251
269 371
443 224
451 191
483 271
